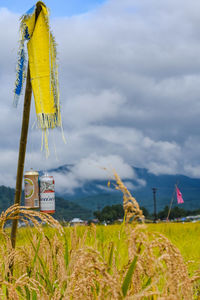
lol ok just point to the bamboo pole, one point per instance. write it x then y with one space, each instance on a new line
23 141
22 152
170 207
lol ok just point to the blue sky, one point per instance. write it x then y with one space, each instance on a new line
57 8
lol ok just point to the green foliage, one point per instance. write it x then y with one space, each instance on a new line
176 212
129 275
110 213
113 213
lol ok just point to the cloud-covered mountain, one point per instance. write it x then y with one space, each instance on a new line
82 189
93 193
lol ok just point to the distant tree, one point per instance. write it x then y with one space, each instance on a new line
113 213
110 213
97 214
163 213
145 212
176 212
193 212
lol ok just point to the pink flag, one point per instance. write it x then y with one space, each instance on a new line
179 196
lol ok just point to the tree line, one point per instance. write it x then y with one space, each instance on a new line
115 212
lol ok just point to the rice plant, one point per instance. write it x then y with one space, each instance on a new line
126 261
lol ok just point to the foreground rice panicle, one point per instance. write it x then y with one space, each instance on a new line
95 262
130 205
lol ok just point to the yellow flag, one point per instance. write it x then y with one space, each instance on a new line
43 67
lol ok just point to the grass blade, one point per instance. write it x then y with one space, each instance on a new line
30 269
110 260
47 280
66 255
129 275
19 289
34 295
28 295
147 283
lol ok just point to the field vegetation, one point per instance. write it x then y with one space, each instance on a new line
127 261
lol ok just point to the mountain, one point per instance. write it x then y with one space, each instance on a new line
64 209
94 194
6 197
68 210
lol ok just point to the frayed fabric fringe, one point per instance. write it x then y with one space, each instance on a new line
22 61
45 121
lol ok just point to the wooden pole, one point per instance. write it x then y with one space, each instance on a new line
23 141
170 207
22 152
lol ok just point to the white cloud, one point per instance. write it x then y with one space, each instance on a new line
193 170
93 168
129 85
92 108
7 162
131 186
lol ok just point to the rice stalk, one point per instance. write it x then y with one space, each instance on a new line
131 207
113 262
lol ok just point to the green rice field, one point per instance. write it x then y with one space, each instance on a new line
186 236
127 261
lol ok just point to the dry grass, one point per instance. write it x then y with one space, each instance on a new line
124 262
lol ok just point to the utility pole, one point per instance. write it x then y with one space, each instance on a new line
154 201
